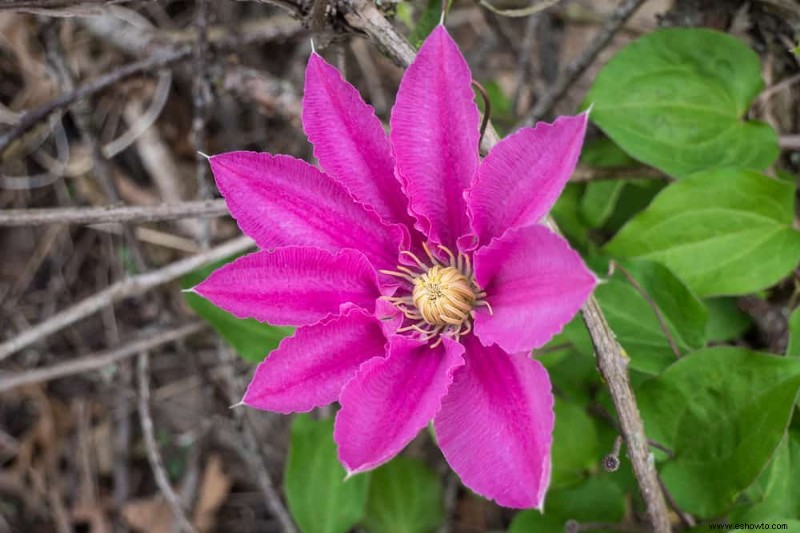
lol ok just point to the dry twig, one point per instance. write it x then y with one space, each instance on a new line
52 4
33 117
97 361
115 214
132 286
160 58
201 101
153 455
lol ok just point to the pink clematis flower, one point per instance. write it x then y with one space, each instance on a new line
420 276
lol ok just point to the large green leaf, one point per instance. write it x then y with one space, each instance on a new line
675 98
793 348
683 312
251 339
600 196
721 231
566 213
320 499
599 200
405 496
722 411
634 198
575 449
598 499
725 320
635 323
574 374
777 492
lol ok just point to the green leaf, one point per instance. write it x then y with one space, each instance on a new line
776 493
634 198
684 313
793 349
721 231
604 152
600 197
575 448
427 22
599 200
405 496
320 499
722 411
725 320
675 99
635 323
598 499
566 213
251 339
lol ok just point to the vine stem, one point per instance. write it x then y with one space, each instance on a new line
611 361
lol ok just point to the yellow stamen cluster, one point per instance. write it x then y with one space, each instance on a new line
443 296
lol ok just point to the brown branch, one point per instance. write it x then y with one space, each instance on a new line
201 102
33 117
53 4
613 365
270 95
126 288
97 361
115 214
573 71
789 142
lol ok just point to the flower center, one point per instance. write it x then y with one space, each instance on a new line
441 298
443 295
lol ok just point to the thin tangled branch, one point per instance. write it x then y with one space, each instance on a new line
153 455
100 360
162 57
115 214
33 117
126 288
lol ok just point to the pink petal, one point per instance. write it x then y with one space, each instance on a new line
389 400
309 369
535 284
350 143
495 427
279 200
523 175
435 137
292 286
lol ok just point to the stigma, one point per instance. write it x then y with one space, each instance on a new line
441 296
